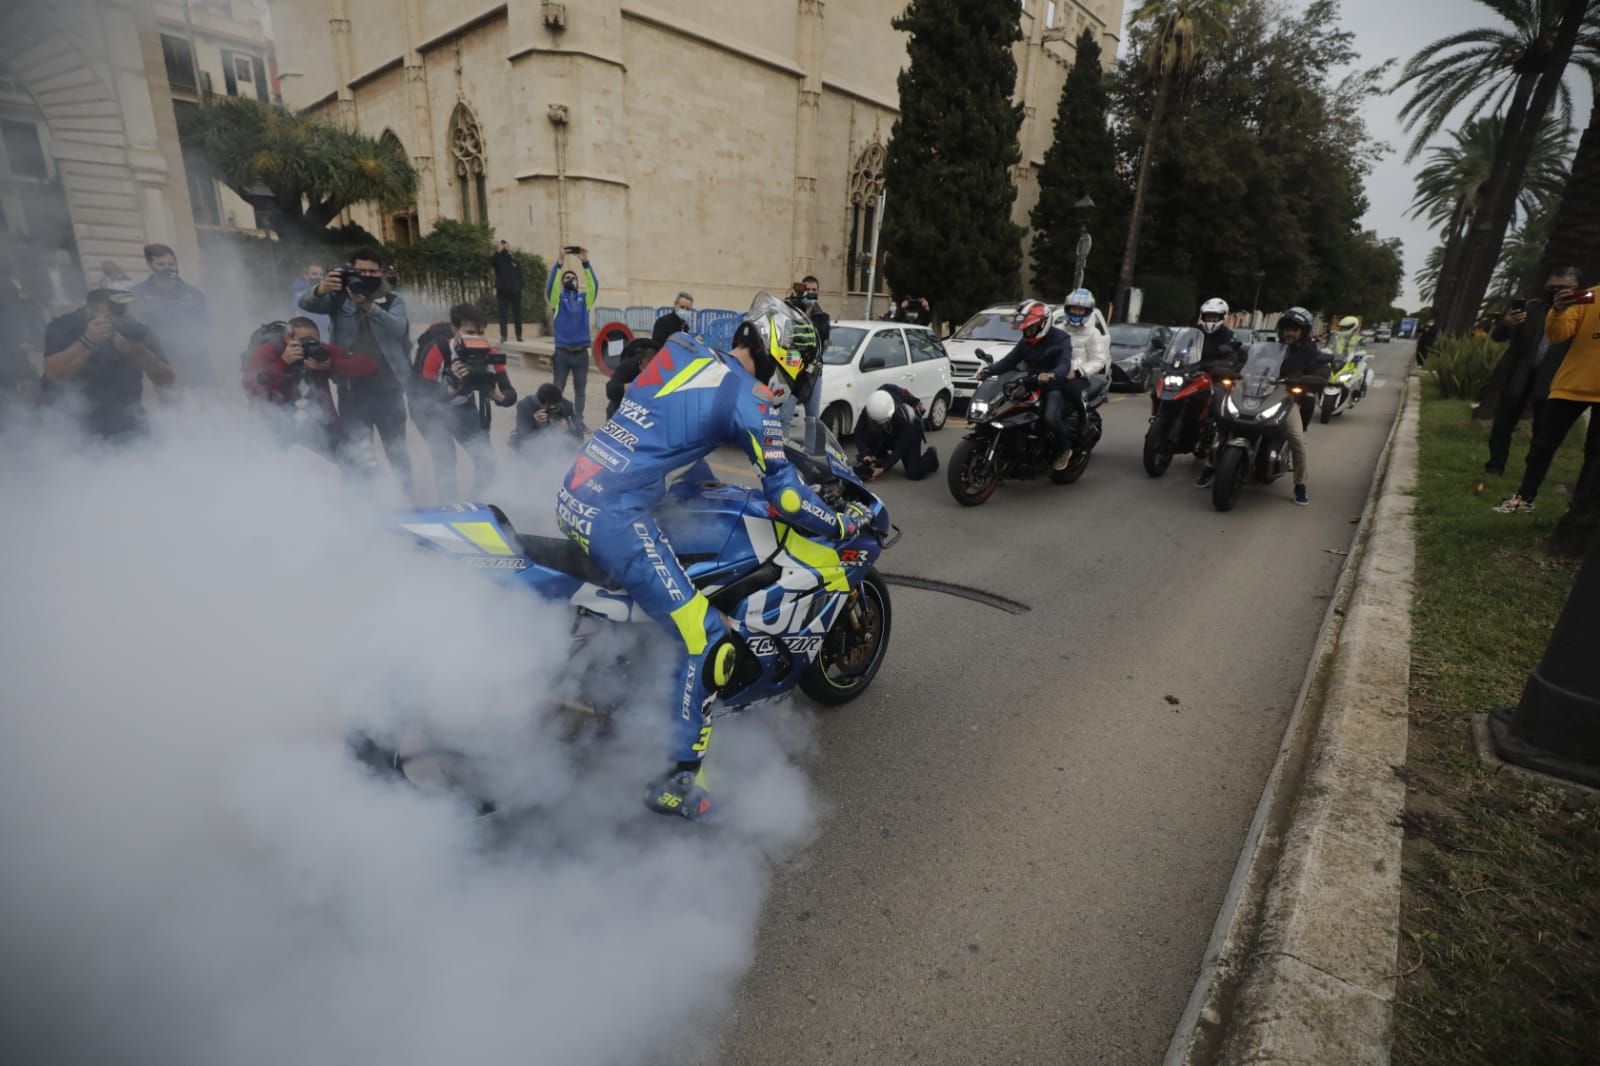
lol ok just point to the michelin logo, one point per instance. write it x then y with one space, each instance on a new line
606 456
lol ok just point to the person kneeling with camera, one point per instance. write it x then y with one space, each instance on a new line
546 409
470 374
889 432
294 374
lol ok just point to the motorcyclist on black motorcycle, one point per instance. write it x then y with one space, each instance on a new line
1046 353
687 402
1303 360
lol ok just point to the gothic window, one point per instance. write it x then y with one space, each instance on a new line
466 149
398 227
866 183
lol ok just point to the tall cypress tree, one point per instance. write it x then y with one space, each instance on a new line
1080 161
947 229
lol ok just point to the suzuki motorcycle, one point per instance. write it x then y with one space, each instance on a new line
1182 418
1347 387
1009 440
1252 426
812 614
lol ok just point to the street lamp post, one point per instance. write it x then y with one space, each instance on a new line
1085 210
1255 301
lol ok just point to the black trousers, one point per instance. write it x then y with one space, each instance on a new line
384 410
510 301
1507 413
910 443
1555 421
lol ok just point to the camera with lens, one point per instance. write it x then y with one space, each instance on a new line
354 281
478 354
131 330
312 351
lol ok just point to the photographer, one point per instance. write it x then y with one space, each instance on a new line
545 410
176 313
293 374
570 304
101 356
369 319
889 432
465 370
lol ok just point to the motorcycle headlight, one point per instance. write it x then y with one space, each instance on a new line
1173 381
978 410
1228 406
1346 376
1272 412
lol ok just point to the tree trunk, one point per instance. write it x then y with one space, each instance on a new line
1450 260
1575 232
1130 253
1511 161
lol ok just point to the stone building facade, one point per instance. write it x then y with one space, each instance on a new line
715 145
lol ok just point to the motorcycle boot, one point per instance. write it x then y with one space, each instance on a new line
682 792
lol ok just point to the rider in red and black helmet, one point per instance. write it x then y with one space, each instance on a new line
1045 351
1032 318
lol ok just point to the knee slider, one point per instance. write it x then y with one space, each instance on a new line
731 664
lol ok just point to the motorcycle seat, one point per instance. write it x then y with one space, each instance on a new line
559 553
1098 391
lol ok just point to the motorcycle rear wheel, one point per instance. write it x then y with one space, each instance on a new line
1072 473
1228 481
850 658
965 473
1158 446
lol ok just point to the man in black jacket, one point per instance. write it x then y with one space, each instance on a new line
1523 374
889 432
508 285
1046 352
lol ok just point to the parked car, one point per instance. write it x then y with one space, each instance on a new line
1383 336
862 355
1136 351
1245 336
991 330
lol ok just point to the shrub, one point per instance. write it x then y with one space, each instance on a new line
451 265
1462 366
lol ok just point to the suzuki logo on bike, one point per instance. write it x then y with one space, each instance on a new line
785 609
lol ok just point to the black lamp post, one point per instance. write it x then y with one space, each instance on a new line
265 206
1085 212
1255 301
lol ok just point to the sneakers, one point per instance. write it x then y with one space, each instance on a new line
1301 498
1516 505
680 792
1064 460
1207 476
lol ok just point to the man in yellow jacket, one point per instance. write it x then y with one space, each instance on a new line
1575 317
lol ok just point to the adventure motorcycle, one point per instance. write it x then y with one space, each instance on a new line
810 614
1009 439
1347 387
1252 425
1182 414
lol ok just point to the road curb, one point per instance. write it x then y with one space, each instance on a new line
1301 963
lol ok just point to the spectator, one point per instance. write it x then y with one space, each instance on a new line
889 432
913 310
460 370
293 374
1574 390
310 280
63 284
114 277
176 312
680 319
1524 373
1426 340
547 409
570 306
508 286
369 319
807 292
100 357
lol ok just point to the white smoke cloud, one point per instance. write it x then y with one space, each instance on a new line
195 870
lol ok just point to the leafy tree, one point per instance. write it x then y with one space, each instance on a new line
1081 161
1517 269
1171 57
1520 65
451 264
1427 277
1450 187
313 169
1575 227
947 229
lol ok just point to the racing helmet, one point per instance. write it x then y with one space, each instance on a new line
1349 324
1079 305
1214 306
1295 316
1032 318
782 341
880 407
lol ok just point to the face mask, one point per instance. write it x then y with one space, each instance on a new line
168 274
684 314
810 297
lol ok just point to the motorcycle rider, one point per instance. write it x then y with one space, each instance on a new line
1219 341
1091 355
1302 360
1346 340
687 402
1046 352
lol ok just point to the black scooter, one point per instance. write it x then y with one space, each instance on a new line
1253 423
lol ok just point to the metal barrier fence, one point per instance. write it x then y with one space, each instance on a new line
712 325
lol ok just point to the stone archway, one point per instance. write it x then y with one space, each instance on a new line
115 152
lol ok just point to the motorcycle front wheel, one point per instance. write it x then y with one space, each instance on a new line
970 475
854 648
1158 447
1327 410
1233 468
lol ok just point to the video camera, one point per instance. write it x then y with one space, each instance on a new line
479 355
131 330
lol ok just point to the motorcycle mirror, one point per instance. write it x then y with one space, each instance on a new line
985 356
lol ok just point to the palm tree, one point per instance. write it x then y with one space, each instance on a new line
1428 276
1450 186
1520 67
1575 230
1172 55
1517 269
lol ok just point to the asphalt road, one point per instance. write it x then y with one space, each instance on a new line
1034 818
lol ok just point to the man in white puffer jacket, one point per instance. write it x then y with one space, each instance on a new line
1091 355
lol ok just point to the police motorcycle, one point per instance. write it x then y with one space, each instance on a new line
1252 425
1009 439
1346 387
809 614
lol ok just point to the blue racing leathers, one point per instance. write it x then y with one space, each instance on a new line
687 402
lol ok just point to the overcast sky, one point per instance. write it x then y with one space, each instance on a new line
1397 29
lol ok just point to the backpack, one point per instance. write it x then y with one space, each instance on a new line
438 333
273 332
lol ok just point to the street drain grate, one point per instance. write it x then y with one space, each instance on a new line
988 599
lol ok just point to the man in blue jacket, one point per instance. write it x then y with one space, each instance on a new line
571 299
689 401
